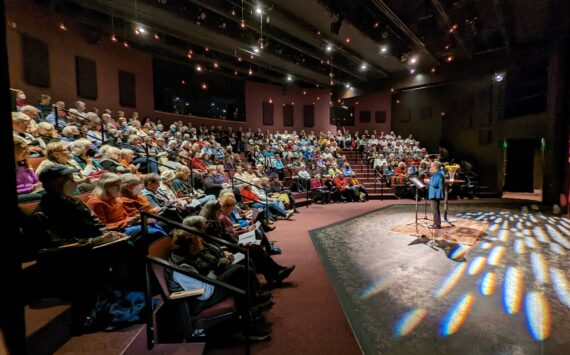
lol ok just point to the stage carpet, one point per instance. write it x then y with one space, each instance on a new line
504 291
460 231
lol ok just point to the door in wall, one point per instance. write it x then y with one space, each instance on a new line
520 165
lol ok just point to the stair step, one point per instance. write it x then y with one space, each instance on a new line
138 346
48 326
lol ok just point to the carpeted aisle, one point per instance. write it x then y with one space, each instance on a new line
307 317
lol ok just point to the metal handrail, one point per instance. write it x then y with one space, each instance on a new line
55 108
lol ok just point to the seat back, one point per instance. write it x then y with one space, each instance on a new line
28 207
160 249
35 162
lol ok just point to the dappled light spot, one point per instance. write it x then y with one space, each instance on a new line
539 267
519 246
409 322
488 284
457 315
476 265
561 286
496 255
512 290
451 280
540 235
537 315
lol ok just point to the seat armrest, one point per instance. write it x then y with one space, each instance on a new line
187 293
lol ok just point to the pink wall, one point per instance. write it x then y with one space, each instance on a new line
42 23
371 102
257 93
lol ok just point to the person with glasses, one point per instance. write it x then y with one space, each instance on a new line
58 153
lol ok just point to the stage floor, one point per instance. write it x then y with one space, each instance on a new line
507 294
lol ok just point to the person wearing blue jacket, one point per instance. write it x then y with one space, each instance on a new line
436 192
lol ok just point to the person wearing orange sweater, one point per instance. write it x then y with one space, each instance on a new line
110 209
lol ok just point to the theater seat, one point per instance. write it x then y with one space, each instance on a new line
177 307
29 207
35 162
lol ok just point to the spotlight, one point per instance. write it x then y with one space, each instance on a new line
347 40
270 101
304 92
250 72
347 85
204 86
413 60
392 90
256 49
62 26
242 25
114 38
258 10
216 65
412 71
156 36
433 70
363 66
125 44
140 30
384 49
183 82
376 24
198 68
498 77
329 47
449 59
289 78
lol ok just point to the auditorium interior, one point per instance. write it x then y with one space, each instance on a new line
286 177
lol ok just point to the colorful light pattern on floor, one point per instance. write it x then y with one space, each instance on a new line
518 233
537 315
519 246
409 322
457 315
561 286
539 267
451 280
513 290
496 255
476 265
488 284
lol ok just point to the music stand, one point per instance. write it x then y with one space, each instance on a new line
420 186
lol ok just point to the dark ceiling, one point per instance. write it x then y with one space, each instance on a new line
295 34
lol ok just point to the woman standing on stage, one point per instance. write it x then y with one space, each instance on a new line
435 192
